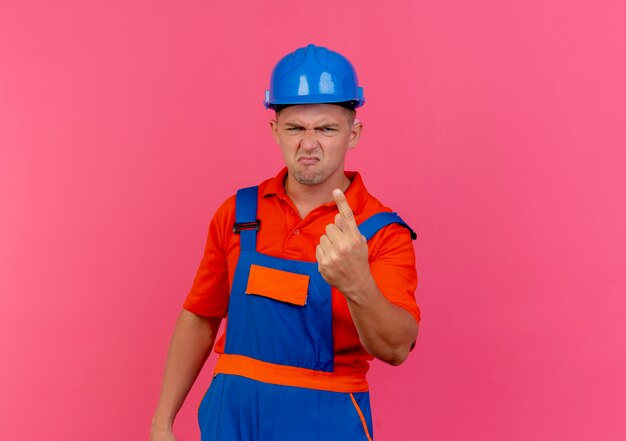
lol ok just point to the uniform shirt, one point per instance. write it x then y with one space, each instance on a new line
285 235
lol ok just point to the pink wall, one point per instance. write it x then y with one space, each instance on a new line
496 128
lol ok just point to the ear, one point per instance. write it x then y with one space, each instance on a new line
355 134
274 127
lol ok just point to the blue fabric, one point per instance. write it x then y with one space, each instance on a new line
375 223
240 409
245 212
279 332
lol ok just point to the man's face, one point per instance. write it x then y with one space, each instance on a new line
314 139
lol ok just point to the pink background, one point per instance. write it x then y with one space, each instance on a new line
497 129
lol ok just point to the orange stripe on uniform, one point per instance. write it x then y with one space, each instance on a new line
288 375
358 410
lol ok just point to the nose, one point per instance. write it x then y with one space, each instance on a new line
309 139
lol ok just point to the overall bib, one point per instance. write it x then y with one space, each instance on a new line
275 381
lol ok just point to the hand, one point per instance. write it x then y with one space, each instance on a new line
342 254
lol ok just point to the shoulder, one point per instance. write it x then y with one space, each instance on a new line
392 237
226 210
225 213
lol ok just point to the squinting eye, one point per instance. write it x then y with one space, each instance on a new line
293 129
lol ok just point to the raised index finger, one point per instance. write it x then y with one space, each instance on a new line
344 208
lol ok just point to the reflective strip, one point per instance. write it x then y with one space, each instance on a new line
358 410
288 375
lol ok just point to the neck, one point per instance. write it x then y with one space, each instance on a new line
308 197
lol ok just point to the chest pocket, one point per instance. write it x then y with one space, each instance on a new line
278 285
280 312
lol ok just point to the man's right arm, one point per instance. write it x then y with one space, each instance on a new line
191 344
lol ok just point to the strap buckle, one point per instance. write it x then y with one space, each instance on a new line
238 227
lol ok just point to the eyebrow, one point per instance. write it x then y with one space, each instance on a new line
290 124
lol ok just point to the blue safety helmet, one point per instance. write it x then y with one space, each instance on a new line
314 75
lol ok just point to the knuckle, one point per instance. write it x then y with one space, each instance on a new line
343 248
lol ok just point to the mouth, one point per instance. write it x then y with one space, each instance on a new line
308 160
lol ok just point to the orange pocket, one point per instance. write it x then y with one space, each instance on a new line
278 285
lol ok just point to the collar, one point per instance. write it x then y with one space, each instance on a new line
356 194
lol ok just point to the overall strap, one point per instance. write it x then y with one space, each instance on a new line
246 223
375 223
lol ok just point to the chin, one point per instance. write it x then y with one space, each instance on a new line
308 178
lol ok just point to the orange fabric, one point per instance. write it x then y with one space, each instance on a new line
283 234
288 375
278 285
358 410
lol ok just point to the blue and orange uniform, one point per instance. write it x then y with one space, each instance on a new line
291 365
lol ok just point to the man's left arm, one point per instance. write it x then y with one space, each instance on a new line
387 331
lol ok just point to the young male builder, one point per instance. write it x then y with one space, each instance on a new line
314 275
